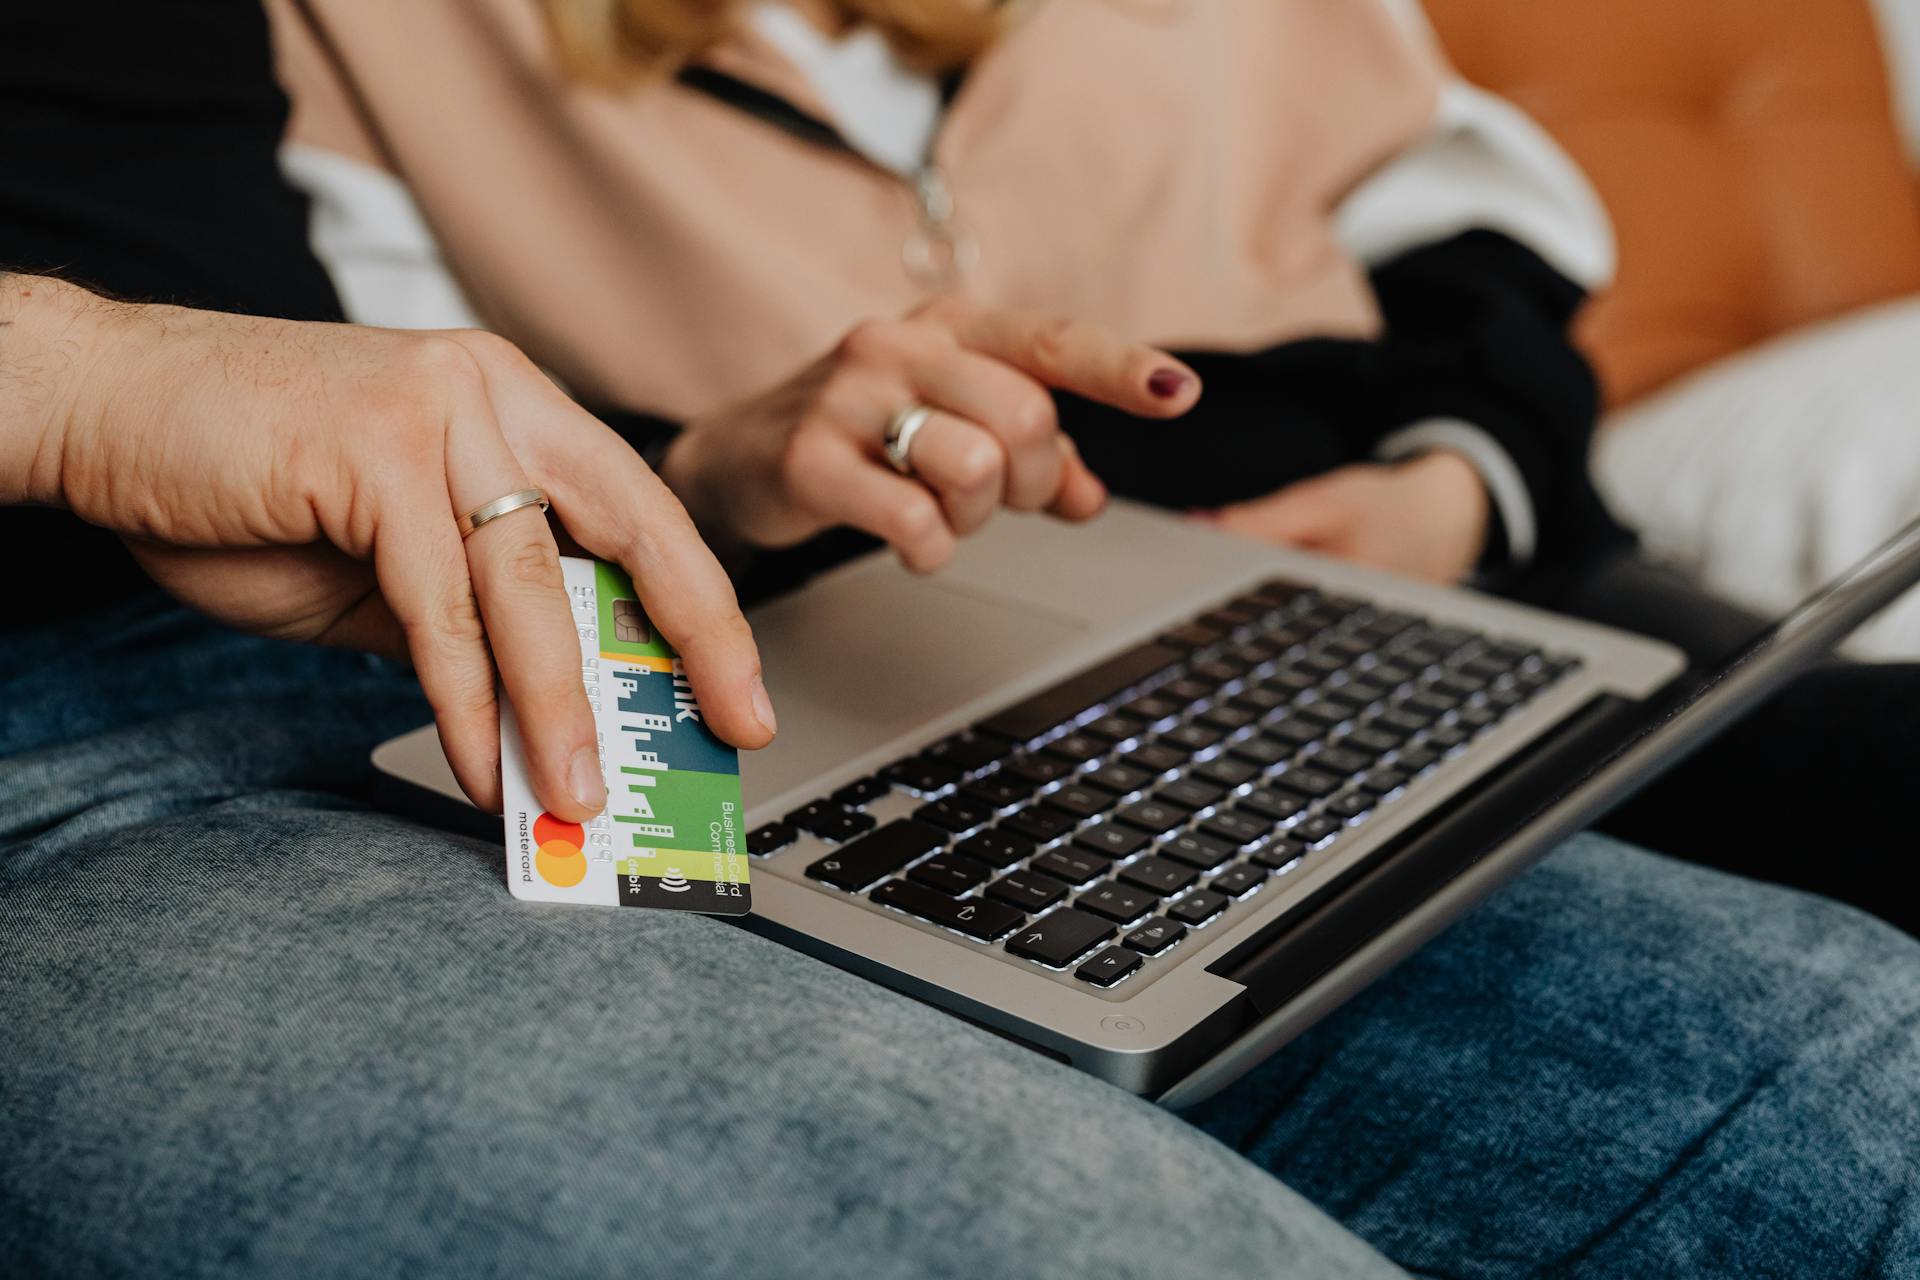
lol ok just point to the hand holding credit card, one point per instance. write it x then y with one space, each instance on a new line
671 836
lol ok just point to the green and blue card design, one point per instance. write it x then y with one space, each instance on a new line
671 836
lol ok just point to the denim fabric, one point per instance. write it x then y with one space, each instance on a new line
248 1028
1621 1066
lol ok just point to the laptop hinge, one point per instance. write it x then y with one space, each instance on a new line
1278 964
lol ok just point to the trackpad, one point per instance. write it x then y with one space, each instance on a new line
859 658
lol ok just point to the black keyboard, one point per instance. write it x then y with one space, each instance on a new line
1097 823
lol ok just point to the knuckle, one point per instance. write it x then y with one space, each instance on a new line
1053 338
641 551
1031 419
664 538
945 311
977 466
535 563
651 541
469 700
440 360
841 399
449 628
726 626
484 345
871 342
458 618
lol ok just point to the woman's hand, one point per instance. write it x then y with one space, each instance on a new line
810 454
1426 517
305 480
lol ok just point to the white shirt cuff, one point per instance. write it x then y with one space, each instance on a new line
1484 163
1505 486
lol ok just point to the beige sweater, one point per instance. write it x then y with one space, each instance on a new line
1168 168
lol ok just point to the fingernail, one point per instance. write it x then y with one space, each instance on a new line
1167 383
763 707
583 776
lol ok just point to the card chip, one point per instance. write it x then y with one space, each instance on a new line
629 624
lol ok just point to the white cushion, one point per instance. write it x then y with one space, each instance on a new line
1767 474
1899 22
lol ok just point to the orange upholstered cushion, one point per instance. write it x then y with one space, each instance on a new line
1745 148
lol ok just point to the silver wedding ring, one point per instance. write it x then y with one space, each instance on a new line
901 429
490 511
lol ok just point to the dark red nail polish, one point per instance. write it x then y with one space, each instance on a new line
1167 383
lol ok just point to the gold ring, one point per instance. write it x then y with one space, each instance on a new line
501 506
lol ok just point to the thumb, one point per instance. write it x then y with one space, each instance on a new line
1082 495
1302 514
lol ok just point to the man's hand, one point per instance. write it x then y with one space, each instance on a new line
808 455
305 480
1426 518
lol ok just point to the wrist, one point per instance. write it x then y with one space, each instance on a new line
1451 484
46 349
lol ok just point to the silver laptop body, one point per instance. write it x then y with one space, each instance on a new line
871 667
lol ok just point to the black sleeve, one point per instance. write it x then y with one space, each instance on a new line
1479 328
1475 328
647 435
138 156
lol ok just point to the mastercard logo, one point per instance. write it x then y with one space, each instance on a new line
561 858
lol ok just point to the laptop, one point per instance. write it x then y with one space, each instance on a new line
1152 800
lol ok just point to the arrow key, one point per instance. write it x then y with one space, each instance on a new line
1108 967
1058 939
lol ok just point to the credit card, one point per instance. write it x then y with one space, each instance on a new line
670 837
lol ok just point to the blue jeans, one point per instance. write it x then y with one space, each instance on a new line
248 1027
